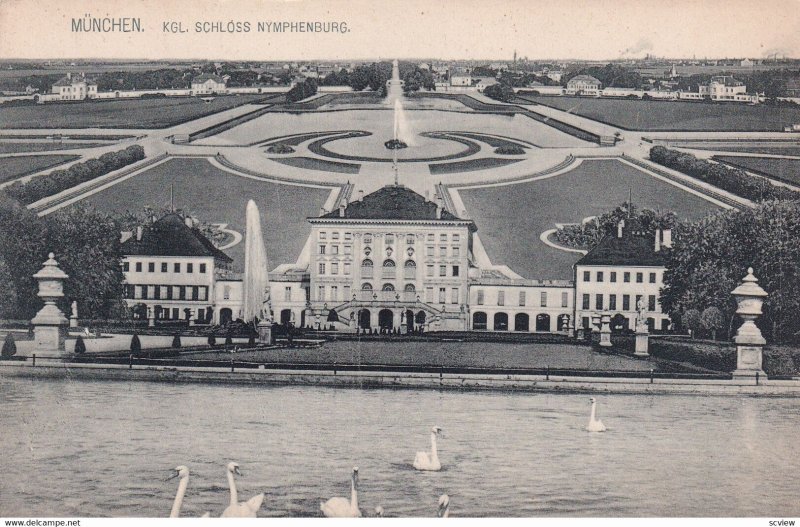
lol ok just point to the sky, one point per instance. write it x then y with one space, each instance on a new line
446 29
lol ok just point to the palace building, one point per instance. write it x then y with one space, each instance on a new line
395 260
391 259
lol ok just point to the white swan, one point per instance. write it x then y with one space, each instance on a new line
379 512
426 461
243 509
444 506
342 507
595 425
183 472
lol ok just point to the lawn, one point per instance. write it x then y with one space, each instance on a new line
775 150
312 163
455 167
17 148
131 113
784 169
510 218
18 166
216 196
676 115
455 354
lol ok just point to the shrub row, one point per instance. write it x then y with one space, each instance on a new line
778 360
733 180
59 180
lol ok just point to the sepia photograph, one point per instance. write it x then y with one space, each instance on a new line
401 259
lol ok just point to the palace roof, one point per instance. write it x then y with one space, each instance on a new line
207 76
170 236
392 202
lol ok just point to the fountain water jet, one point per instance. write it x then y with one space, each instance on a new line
256 276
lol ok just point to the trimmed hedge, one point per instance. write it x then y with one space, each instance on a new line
733 180
59 180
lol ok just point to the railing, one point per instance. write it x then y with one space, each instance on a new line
335 367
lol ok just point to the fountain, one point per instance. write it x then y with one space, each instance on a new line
401 135
256 278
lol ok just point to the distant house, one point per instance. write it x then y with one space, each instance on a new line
726 88
460 80
74 88
583 85
484 82
209 83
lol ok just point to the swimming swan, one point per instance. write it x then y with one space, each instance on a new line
243 509
183 472
595 425
342 507
444 506
425 461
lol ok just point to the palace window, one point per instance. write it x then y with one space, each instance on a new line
599 276
587 276
480 297
626 302
151 267
322 249
522 298
639 278
652 278
564 299
612 302
613 276
410 239
501 298
598 301
347 268
287 293
138 267
626 277
321 268
164 267
176 268
189 268
456 270
202 268
585 301
651 303
543 299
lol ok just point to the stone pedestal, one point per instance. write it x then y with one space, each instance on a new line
50 324
642 344
265 336
749 341
73 322
605 330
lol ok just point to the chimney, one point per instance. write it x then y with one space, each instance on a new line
620 225
322 211
360 194
341 210
139 233
438 207
667 239
188 221
658 240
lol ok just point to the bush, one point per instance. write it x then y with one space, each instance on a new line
59 180
733 180
9 346
80 346
176 341
251 342
212 340
136 345
280 148
509 150
717 357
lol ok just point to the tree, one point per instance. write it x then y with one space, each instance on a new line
692 321
80 346
712 320
9 346
136 345
710 257
176 341
499 92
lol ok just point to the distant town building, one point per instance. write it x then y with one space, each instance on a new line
583 85
170 271
726 88
74 88
208 83
460 80
622 270
746 63
484 82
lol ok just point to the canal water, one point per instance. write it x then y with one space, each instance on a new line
78 448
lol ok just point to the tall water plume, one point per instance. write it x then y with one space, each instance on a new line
256 277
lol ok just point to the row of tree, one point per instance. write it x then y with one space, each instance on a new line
710 257
301 90
87 247
363 76
499 92
612 75
587 235
733 180
59 180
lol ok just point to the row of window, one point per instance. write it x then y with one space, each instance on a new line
599 302
331 293
166 292
390 238
612 277
522 298
176 267
389 269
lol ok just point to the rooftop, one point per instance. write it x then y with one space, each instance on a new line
170 236
585 78
208 76
393 202
633 248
